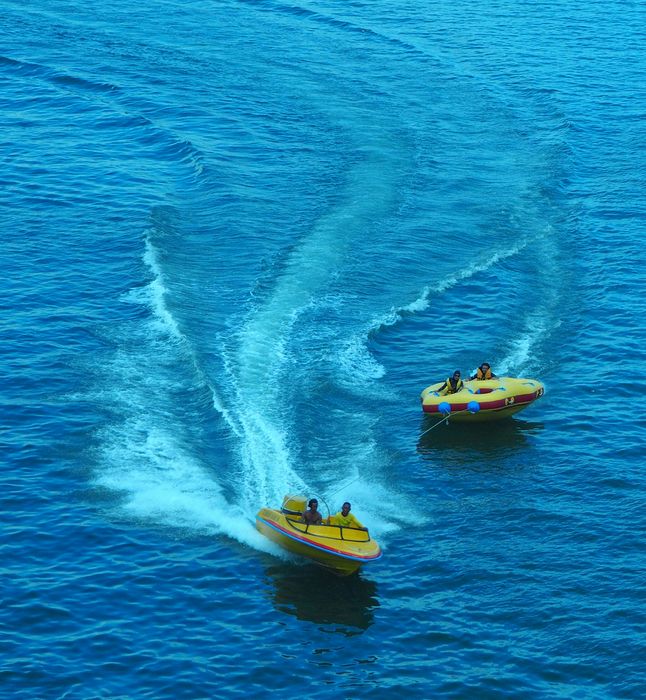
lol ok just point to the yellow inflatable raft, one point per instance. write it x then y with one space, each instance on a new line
343 550
486 400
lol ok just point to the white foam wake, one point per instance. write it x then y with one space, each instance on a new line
263 361
147 453
355 357
154 295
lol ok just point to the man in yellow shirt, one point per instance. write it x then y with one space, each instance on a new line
346 519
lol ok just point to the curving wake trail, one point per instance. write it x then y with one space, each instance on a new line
264 357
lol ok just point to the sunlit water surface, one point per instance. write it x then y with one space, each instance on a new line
238 239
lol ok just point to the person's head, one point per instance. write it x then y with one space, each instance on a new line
345 508
485 366
313 504
456 374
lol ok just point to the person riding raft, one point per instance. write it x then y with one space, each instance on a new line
483 372
452 384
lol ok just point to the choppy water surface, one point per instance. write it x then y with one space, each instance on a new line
238 239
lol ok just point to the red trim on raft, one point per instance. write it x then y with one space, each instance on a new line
484 405
318 545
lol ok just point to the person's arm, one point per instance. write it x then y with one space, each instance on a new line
356 524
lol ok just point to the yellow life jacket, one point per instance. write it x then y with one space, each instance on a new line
449 386
480 375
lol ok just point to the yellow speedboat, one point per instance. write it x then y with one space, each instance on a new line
486 400
341 549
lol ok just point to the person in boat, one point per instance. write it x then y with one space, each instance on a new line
312 516
452 384
345 518
483 372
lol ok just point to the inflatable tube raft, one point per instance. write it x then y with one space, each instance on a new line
478 401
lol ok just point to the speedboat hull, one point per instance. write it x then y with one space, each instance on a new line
480 401
343 550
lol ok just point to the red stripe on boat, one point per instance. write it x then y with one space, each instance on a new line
484 405
318 545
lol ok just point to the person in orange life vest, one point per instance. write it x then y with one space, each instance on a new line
483 372
346 519
312 516
452 384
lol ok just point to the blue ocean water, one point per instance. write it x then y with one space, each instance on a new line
238 238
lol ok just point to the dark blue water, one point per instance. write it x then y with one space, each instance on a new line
237 240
